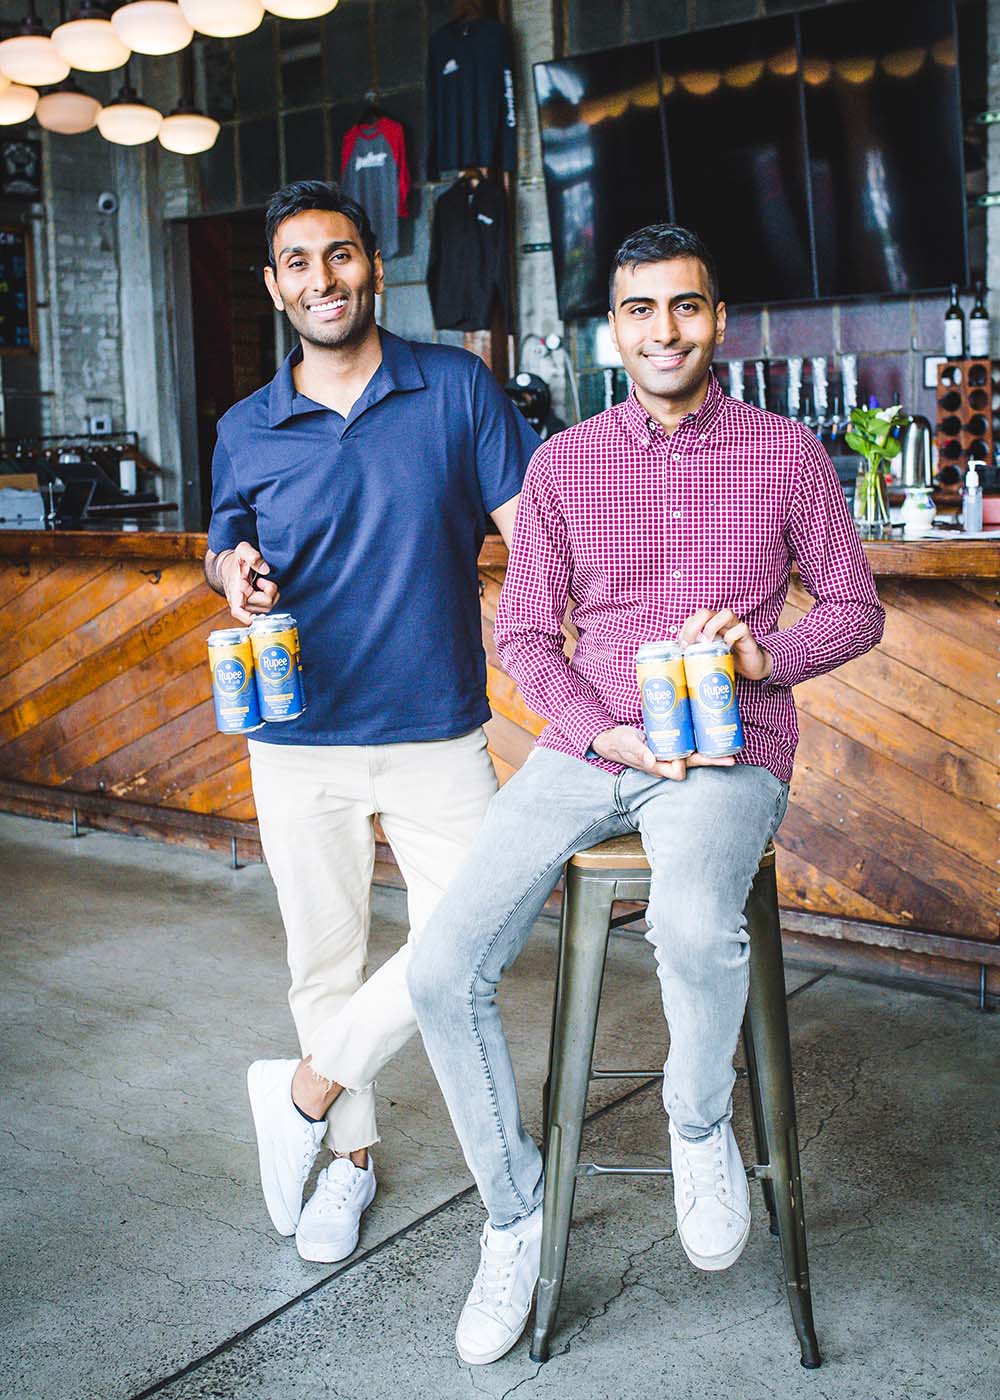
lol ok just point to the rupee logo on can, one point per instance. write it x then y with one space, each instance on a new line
711 677
666 713
234 693
278 665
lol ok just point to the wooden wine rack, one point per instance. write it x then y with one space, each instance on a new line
968 423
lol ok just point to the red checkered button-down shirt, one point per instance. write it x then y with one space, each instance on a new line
642 529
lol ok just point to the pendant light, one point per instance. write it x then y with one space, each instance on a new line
300 9
152 26
127 120
88 40
29 56
186 130
223 19
17 102
67 109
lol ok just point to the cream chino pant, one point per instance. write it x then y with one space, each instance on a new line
316 806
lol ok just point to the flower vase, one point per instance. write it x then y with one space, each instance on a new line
871 512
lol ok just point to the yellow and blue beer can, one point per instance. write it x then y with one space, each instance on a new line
234 690
278 666
715 712
666 712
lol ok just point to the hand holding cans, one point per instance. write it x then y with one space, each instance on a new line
689 700
256 674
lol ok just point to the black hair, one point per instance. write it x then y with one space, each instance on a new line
303 195
663 243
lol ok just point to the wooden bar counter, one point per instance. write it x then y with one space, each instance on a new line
888 854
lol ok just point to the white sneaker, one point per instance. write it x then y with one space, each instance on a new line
497 1308
331 1218
287 1143
711 1198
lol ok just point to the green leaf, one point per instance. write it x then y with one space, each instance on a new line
892 448
856 442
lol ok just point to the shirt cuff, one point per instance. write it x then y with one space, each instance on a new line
791 661
581 721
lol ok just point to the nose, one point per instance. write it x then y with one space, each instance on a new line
663 327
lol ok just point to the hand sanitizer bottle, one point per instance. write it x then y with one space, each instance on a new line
972 501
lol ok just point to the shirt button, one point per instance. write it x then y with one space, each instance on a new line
677 456
677 573
676 514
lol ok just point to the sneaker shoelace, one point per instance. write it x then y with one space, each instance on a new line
703 1170
333 1192
491 1286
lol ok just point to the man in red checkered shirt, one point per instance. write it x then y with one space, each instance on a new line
674 515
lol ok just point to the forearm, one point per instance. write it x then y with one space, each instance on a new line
537 662
829 635
212 575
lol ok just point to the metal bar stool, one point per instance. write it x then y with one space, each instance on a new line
595 879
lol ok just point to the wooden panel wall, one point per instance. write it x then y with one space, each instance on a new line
893 812
893 815
104 684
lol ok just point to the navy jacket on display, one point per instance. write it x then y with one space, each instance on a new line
470 97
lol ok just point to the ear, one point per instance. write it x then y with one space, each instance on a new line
720 323
614 332
271 283
378 272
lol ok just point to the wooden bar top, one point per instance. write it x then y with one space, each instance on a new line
937 558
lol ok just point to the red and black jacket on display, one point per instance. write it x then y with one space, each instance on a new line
373 171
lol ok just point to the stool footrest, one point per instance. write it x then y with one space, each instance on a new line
599 1169
626 1074
754 1173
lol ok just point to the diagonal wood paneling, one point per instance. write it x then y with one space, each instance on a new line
107 687
893 816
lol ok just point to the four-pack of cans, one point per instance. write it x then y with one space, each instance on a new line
256 674
689 699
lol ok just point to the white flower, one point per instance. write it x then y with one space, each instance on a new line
888 415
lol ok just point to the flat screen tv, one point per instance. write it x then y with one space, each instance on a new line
818 154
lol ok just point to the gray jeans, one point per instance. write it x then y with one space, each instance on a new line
704 838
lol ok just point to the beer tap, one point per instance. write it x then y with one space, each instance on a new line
821 394
737 387
795 386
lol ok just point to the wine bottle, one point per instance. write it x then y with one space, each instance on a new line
954 327
979 328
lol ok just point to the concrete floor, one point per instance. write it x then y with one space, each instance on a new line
137 981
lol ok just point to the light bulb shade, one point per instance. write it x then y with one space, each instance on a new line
90 43
223 19
128 121
300 9
68 111
17 104
188 133
152 26
32 59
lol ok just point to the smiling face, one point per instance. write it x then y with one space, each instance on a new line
666 327
323 280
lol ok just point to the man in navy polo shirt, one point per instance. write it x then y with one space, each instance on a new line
356 487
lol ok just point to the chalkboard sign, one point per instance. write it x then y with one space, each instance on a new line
17 303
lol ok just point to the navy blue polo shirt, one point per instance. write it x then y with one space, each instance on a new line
372 526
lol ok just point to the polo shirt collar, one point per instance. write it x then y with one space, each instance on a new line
703 421
399 370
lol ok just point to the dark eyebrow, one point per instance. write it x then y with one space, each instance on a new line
681 296
330 247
